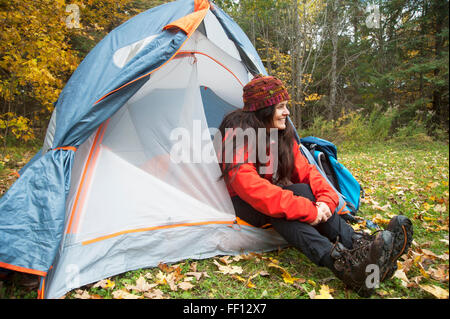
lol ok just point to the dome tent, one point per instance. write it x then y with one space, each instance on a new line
102 196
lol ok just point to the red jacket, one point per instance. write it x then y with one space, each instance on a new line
275 201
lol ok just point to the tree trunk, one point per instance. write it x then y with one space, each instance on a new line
298 68
334 42
439 115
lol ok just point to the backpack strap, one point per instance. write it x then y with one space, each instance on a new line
342 206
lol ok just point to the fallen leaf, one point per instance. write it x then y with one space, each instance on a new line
429 253
382 293
82 294
225 260
185 285
324 293
166 279
423 271
154 294
312 294
378 219
249 281
197 274
402 276
436 291
444 256
105 284
237 277
441 273
228 270
122 294
285 274
141 285
311 282
440 208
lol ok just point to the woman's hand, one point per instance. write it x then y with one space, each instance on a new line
323 213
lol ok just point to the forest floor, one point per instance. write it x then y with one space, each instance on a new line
398 178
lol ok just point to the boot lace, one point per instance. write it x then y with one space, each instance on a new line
352 257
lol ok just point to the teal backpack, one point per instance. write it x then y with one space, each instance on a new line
325 155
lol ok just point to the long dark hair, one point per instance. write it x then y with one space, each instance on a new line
261 118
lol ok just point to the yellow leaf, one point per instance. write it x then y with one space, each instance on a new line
436 291
239 278
285 274
324 293
288 278
122 294
228 270
422 271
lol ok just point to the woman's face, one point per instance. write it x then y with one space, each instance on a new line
280 115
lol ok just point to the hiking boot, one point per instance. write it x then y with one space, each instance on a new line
351 265
402 229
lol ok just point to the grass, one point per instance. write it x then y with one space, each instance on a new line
398 177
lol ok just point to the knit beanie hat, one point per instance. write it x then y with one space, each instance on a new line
263 91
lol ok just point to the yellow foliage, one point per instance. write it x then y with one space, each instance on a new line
281 65
18 125
36 58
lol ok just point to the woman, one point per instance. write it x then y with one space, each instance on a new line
294 197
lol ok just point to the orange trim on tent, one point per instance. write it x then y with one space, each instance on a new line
201 4
66 148
87 242
188 23
143 76
23 269
14 173
242 222
83 176
41 291
80 200
215 60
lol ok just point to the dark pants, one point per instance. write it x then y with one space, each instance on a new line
315 242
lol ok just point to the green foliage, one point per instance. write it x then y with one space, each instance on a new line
358 129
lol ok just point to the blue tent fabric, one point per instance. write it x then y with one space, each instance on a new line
32 212
215 108
85 114
236 34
